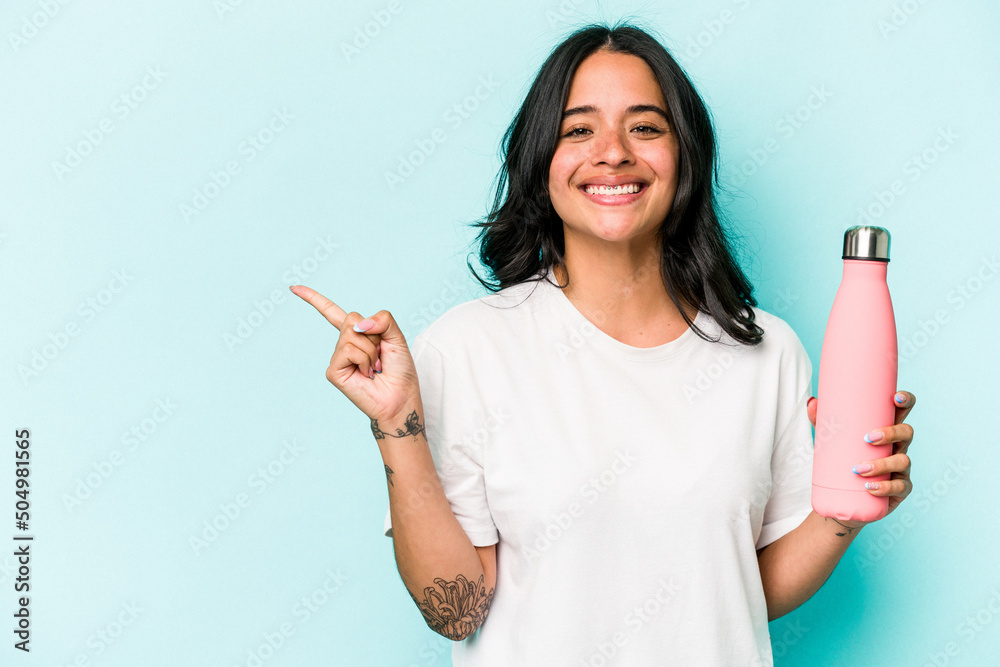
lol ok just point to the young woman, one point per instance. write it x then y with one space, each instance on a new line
607 461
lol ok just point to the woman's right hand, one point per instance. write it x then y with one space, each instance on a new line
374 369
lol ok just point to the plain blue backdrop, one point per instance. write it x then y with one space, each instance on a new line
200 493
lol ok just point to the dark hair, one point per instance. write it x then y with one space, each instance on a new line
522 236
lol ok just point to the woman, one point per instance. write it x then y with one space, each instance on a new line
609 460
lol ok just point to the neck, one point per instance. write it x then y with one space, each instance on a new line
624 295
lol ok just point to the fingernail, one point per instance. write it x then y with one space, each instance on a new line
371 375
378 365
871 486
901 398
364 325
378 350
862 467
874 436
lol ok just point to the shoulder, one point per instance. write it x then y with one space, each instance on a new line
780 340
476 321
775 328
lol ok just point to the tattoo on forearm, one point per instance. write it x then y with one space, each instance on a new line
388 475
413 427
460 611
848 529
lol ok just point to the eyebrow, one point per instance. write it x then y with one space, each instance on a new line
634 109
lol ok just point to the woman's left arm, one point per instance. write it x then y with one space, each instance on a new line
795 566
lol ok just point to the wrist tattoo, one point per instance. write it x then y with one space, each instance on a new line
413 427
848 529
460 611
388 475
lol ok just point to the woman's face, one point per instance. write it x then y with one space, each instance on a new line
613 133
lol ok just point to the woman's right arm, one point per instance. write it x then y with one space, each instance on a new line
449 579
440 567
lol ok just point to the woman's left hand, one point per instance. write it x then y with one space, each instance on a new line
898 486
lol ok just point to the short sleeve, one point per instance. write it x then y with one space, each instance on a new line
458 456
790 500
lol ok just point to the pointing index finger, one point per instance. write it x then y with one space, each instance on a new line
333 313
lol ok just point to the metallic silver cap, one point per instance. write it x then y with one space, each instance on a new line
866 242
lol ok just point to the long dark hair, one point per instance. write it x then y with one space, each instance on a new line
522 236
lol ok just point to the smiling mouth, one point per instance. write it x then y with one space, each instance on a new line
619 195
613 190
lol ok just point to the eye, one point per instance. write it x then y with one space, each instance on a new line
573 132
648 129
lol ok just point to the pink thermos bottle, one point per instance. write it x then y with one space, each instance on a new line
857 381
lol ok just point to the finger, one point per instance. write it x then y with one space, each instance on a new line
369 345
897 463
383 324
903 408
356 356
333 313
892 487
811 406
901 434
902 438
350 328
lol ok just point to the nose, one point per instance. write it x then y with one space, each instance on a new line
610 148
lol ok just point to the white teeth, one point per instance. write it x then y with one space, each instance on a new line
612 190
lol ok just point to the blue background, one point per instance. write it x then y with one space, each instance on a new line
825 112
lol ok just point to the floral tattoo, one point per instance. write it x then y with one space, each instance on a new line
413 427
461 610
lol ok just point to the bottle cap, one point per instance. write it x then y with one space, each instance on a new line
866 242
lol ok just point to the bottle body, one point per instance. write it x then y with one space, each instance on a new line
857 381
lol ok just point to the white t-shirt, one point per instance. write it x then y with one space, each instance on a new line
627 488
